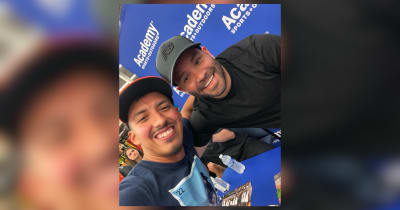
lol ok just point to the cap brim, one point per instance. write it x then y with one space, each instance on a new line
138 89
176 58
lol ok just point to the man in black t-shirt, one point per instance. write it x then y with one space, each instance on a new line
239 88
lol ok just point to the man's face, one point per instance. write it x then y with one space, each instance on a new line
156 125
198 73
68 142
133 154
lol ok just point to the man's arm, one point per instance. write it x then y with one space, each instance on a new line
223 135
200 150
186 112
187 108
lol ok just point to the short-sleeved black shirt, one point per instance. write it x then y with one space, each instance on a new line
254 99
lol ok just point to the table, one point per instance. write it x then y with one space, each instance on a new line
260 171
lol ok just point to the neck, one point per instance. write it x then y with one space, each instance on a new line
139 158
165 159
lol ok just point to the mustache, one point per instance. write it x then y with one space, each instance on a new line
166 124
85 171
206 77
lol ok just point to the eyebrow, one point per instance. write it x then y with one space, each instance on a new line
139 113
144 110
161 102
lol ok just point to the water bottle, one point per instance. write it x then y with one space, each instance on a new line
220 184
232 163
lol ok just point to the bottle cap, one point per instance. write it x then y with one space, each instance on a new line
220 156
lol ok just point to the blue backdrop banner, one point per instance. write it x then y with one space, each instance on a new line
143 27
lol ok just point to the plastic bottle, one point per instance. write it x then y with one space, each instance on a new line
220 184
232 163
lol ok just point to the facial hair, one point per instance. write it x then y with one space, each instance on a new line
218 69
176 149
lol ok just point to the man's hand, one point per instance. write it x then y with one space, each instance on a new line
223 135
218 170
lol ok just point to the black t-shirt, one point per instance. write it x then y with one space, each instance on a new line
254 99
242 147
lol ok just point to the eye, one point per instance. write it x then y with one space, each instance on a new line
142 119
165 107
197 61
186 78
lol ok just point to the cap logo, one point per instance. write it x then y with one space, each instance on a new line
167 50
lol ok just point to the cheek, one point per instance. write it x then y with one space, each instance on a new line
142 131
175 115
53 169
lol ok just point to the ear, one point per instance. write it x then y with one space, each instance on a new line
204 49
132 138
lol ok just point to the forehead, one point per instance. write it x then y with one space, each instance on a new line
147 101
185 58
62 97
129 150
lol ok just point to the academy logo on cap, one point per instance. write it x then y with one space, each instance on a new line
167 50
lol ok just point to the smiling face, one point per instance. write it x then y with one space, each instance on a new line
156 125
61 167
198 73
133 154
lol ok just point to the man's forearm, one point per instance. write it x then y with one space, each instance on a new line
187 108
200 150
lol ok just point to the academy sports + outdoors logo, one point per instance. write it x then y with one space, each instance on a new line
237 16
196 20
147 46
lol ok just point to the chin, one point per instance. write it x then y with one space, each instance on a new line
176 149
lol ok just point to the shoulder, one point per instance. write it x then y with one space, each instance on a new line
135 191
249 43
139 176
259 39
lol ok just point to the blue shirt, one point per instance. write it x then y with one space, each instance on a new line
183 183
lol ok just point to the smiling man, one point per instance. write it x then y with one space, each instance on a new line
240 88
170 172
60 107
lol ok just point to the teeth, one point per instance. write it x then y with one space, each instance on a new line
209 81
164 134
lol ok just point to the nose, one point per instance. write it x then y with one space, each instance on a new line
159 119
201 76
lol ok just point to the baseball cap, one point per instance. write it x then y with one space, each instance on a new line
169 52
137 89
